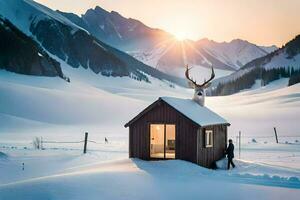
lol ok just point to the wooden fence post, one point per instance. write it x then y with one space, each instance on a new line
240 144
276 135
85 142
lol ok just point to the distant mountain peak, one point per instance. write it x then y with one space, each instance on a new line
207 41
238 41
99 9
116 14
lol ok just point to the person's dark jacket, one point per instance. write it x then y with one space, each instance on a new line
230 150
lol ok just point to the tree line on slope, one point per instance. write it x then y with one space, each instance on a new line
247 80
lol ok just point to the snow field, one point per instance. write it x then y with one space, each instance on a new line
59 111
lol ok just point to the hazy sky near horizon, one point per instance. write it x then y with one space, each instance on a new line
263 22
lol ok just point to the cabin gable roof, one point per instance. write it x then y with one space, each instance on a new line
200 115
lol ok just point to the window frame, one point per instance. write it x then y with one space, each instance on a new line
211 138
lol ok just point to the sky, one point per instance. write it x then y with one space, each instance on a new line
264 22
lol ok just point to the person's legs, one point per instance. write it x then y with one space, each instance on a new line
228 164
232 164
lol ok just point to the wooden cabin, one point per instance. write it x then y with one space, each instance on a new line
174 128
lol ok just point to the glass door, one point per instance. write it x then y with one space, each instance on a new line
162 141
157 132
170 141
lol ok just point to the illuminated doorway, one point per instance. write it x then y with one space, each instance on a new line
162 141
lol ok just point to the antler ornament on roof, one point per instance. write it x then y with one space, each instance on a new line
194 83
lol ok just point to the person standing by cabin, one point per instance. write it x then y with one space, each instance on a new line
230 154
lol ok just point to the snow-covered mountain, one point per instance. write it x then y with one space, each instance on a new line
281 63
269 49
73 44
287 56
226 57
235 53
21 54
162 50
123 33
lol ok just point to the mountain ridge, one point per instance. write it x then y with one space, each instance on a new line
154 46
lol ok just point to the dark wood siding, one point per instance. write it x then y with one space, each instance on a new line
186 133
190 142
207 155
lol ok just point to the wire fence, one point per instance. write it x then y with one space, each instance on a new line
264 139
41 143
61 142
70 142
269 136
102 145
286 139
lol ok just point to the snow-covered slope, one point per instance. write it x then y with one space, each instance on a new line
35 105
257 111
88 100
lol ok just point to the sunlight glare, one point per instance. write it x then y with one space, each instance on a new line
181 35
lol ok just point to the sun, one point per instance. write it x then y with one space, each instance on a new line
183 29
181 35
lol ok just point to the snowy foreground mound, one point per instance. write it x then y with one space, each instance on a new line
136 179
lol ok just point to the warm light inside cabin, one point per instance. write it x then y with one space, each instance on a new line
162 141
